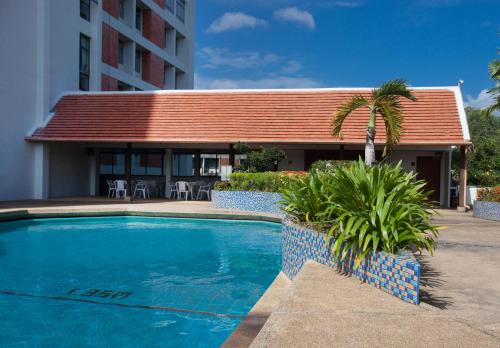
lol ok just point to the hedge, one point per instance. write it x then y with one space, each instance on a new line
263 182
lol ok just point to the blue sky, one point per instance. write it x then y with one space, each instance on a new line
346 43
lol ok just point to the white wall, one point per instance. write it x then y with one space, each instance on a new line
18 93
69 170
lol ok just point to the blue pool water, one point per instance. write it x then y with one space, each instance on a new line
131 281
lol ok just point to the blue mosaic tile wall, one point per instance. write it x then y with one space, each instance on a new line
487 210
264 202
394 274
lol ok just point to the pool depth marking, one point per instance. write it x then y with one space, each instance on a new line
167 309
100 293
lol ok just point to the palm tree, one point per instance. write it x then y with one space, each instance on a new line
384 101
494 68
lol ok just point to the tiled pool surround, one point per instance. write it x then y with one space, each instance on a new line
263 202
398 275
487 210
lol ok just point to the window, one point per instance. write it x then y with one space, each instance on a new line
170 5
84 62
183 164
121 5
180 10
112 164
121 49
138 18
138 61
147 164
210 164
85 9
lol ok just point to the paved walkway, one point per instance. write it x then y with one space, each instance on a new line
325 309
103 205
463 277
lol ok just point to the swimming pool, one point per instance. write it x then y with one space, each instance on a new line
131 281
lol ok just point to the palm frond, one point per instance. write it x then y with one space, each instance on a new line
345 110
494 69
390 109
394 87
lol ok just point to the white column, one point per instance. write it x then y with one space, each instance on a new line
41 171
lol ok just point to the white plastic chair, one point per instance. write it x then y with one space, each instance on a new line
173 189
182 189
121 189
111 188
142 187
204 189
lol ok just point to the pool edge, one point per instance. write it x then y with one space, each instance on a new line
254 321
26 214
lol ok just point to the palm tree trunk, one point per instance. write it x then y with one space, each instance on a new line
370 146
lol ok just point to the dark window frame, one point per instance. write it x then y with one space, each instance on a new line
84 81
138 61
114 154
180 5
85 9
217 157
147 154
196 165
121 52
138 18
169 4
121 9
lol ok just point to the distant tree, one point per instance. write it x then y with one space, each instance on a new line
494 68
260 160
484 161
383 102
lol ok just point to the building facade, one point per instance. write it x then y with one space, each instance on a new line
48 48
170 136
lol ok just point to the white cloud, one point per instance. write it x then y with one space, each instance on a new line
223 57
483 100
202 82
291 67
293 14
234 21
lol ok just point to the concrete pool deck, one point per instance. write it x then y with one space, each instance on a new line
460 290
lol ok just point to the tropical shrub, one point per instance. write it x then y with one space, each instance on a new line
489 194
380 208
328 166
265 182
306 197
261 160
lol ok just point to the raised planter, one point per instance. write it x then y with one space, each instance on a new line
487 210
398 275
263 202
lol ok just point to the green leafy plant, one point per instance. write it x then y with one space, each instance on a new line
306 197
264 182
484 160
489 194
381 208
328 166
494 92
260 160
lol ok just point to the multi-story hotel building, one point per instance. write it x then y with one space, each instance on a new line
51 47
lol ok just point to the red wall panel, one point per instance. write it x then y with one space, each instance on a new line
154 28
109 45
153 69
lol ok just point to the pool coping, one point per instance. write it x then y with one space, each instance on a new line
24 214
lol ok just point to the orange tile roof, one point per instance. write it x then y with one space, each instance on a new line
273 116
